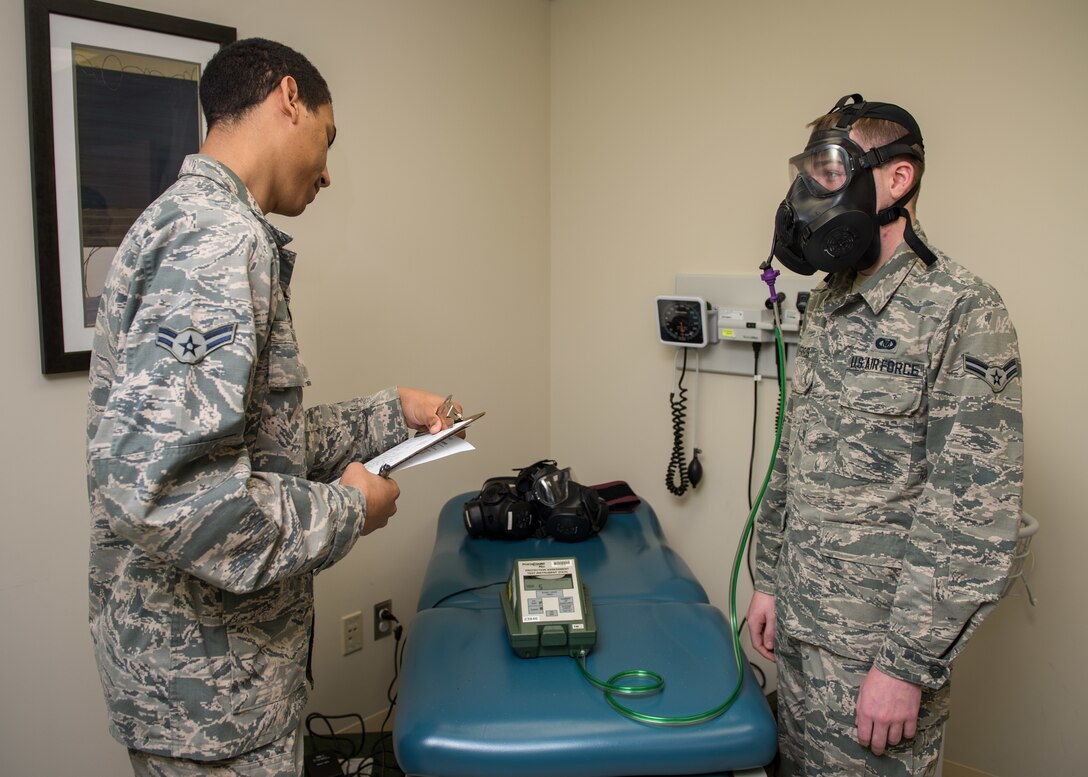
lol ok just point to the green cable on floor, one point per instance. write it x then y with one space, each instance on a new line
655 683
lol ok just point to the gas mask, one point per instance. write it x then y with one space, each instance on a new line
542 501
829 221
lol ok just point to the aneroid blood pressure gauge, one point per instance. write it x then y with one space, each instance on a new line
683 321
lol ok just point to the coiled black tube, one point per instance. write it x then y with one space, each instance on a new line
678 402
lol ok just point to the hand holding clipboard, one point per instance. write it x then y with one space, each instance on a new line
412 450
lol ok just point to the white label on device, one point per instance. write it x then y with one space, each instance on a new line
550 591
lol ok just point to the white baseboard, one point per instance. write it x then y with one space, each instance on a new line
375 720
372 723
953 769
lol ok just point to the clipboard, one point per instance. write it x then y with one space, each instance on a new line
413 446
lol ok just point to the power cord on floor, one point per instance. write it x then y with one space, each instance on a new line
332 749
379 749
334 754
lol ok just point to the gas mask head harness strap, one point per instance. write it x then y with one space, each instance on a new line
829 221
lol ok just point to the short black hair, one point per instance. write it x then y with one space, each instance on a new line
242 74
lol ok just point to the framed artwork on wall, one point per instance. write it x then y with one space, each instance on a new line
113 111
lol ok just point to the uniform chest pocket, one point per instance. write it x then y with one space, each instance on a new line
279 443
800 387
879 437
285 368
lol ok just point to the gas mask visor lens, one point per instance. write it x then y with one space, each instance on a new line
824 170
551 489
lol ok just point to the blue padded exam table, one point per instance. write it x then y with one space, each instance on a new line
468 707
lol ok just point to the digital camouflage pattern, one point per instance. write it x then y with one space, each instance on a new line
208 479
280 758
891 517
817 694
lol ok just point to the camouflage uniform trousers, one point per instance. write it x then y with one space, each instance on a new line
817 733
280 758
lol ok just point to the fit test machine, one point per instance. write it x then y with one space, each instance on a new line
547 611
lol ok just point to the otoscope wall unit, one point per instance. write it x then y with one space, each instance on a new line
744 318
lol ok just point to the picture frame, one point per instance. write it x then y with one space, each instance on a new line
113 109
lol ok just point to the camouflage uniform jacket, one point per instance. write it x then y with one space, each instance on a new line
891 517
207 478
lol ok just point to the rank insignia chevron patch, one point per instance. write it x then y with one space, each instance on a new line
189 346
996 377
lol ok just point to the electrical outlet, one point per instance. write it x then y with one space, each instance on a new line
382 628
351 632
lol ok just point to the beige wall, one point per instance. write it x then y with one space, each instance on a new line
552 167
671 126
426 263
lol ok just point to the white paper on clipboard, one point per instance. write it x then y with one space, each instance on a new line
422 448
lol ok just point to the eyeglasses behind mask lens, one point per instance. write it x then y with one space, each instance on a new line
824 170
